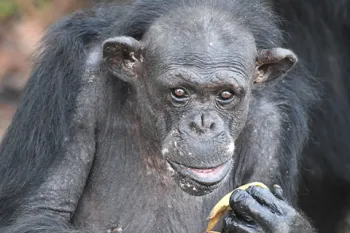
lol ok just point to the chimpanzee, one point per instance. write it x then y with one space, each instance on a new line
139 118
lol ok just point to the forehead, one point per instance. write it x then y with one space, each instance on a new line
201 38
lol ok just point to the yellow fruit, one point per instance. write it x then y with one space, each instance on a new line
223 206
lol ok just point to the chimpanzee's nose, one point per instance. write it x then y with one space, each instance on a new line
206 123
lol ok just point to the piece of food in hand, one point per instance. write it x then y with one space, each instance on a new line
223 206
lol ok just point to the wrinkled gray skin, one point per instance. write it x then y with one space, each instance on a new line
154 195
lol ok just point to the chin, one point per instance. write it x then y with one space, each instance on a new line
201 181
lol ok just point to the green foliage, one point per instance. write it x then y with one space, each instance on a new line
8 8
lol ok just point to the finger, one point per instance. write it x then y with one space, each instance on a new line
234 224
244 205
278 192
265 197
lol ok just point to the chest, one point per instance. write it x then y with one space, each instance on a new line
137 200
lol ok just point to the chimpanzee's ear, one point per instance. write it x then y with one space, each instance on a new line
122 56
273 63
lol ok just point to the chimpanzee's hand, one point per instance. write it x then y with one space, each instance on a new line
258 210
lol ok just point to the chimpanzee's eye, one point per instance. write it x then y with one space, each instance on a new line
226 96
179 93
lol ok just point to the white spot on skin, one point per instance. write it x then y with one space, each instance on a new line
231 147
119 229
170 169
210 44
165 151
132 55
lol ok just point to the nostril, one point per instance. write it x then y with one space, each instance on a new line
201 124
212 125
193 126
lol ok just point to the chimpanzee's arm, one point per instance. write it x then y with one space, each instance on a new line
47 153
273 139
51 206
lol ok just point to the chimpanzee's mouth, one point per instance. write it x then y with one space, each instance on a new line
204 176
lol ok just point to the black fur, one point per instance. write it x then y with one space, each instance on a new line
325 168
70 160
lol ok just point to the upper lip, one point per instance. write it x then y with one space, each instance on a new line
194 173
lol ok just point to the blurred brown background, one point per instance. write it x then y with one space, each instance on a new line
22 24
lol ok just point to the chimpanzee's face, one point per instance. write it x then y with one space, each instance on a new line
196 91
193 85
200 113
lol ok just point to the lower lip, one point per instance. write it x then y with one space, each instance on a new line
207 176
